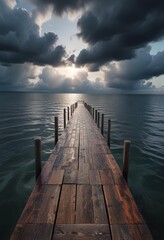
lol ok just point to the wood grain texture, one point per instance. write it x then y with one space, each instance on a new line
82 232
131 231
42 205
84 204
56 177
94 177
81 193
66 210
99 209
33 232
71 176
121 210
106 177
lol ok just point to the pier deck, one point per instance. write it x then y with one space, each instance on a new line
81 193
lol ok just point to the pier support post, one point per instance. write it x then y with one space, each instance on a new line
56 130
91 110
68 113
102 124
93 113
38 167
96 116
98 120
64 118
71 110
126 159
109 132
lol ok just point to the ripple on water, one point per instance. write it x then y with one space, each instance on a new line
138 118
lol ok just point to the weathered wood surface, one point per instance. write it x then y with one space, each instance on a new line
81 193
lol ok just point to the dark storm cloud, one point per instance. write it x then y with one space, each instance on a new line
61 6
114 29
21 42
131 74
16 77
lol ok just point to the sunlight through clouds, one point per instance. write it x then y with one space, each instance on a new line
83 43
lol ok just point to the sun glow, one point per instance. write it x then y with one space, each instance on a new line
69 71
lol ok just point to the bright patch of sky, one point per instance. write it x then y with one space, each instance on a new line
66 30
157 47
25 4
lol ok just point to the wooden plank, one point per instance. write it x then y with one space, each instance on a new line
33 231
59 159
80 190
121 210
82 232
103 160
84 204
116 172
131 231
99 208
83 164
106 177
94 177
112 163
118 178
70 158
45 173
66 211
83 176
56 177
71 176
42 205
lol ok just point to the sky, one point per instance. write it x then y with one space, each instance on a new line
82 46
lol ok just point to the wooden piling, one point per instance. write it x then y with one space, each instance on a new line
96 116
126 159
98 120
68 113
71 110
38 167
109 132
102 124
56 130
91 110
93 113
64 118
78 197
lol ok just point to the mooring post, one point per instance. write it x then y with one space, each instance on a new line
102 124
64 118
98 120
71 110
96 116
68 113
126 159
38 167
56 130
91 110
109 132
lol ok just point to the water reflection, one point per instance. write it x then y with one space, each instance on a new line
26 115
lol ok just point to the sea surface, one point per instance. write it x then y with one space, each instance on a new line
139 118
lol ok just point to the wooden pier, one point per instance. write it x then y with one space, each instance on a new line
81 193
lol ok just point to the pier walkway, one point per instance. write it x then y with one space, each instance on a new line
81 193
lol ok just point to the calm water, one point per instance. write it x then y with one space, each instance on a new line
140 118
